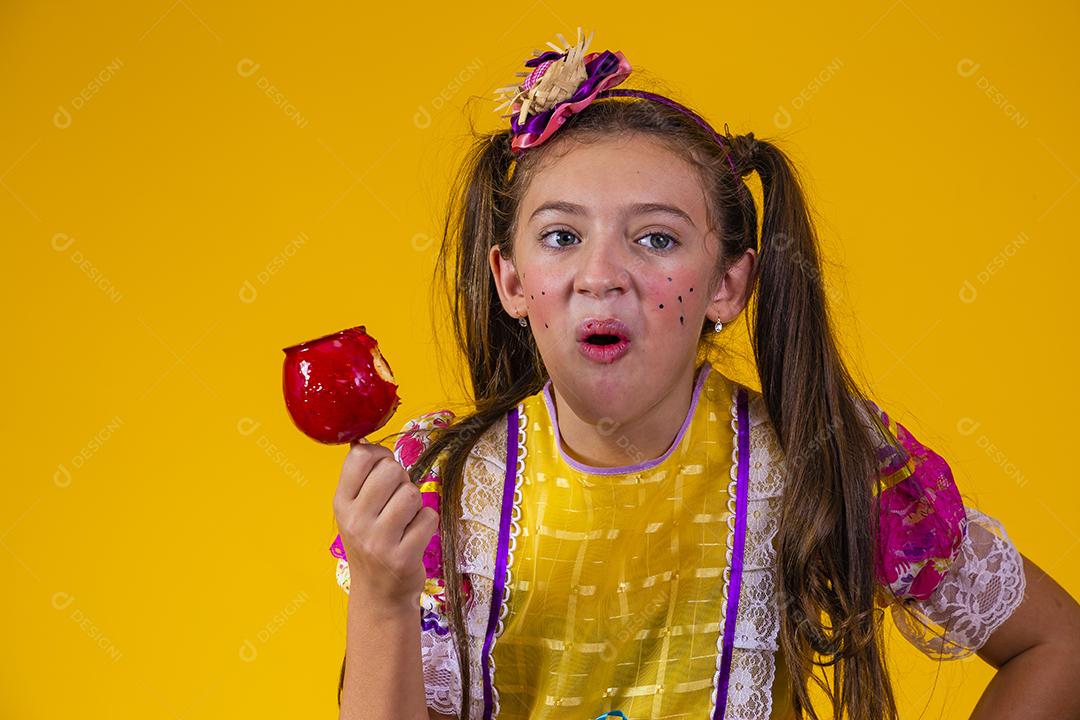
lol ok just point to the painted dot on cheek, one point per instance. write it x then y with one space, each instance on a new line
680 319
543 293
661 306
669 279
680 298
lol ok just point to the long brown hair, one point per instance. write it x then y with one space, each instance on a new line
828 525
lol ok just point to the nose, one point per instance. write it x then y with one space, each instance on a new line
605 267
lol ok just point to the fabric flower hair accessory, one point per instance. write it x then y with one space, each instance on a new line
563 81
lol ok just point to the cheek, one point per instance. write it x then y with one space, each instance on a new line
675 299
542 293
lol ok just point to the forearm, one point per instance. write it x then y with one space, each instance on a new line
1038 683
384 675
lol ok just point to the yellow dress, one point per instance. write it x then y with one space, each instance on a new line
617 582
650 589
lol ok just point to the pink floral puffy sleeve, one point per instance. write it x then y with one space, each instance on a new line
952 571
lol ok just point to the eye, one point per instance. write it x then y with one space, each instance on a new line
668 244
565 238
559 234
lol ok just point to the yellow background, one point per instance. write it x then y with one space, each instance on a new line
186 188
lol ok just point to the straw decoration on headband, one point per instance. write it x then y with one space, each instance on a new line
562 82
566 81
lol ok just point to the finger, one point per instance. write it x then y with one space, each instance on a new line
400 508
384 479
419 531
356 467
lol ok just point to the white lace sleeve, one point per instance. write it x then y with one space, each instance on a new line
442 680
981 589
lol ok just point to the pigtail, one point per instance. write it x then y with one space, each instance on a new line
501 354
503 361
828 526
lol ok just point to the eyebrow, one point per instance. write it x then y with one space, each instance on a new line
632 209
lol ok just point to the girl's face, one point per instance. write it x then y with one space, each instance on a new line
616 230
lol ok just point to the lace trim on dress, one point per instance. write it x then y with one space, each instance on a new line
753 662
515 530
481 500
981 589
732 491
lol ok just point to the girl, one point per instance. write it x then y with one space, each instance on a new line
621 529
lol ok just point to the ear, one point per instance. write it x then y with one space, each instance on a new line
733 291
508 283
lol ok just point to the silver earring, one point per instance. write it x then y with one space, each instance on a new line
719 326
523 322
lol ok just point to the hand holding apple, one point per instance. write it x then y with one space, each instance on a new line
384 527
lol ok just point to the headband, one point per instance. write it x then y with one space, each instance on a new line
566 81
